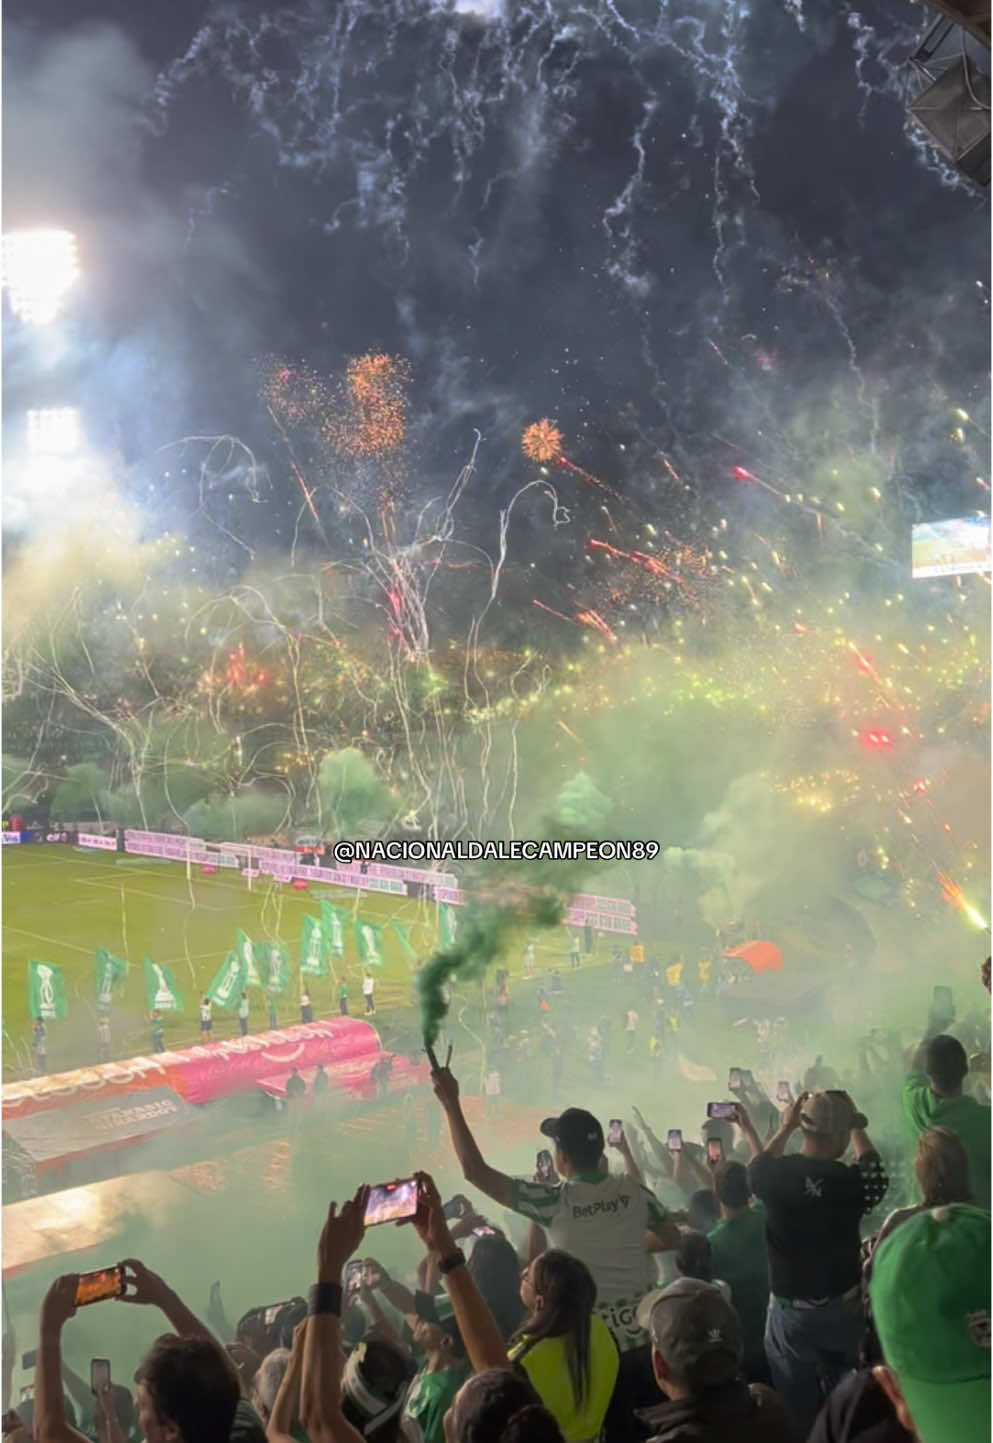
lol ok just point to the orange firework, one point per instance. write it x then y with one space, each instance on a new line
542 442
376 420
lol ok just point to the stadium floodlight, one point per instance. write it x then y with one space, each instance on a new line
40 267
55 431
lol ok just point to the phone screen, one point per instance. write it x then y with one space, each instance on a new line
27 1392
783 1093
484 1231
674 1142
391 1202
270 1314
715 1150
99 1286
353 1276
722 1110
99 1374
544 1163
734 1079
615 1132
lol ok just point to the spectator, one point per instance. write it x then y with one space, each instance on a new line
272 1017
564 1347
942 1171
103 1038
343 998
206 1019
321 1082
574 950
437 1381
694 1260
39 1047
243 1014
268 1381
703 1212
696 1355
369 993
306 1007
606 1220
158 1033
933 1097
741 1258
497 1406
187 1387
631 1020
295 1085
930 1294
814 1204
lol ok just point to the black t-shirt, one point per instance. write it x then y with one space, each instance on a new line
813 1209
858 1411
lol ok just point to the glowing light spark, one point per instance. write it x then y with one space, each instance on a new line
640 558
953 894
740 474
376 423
876 741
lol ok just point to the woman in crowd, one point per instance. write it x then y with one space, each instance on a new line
565 1348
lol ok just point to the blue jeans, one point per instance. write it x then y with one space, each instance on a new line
809 1351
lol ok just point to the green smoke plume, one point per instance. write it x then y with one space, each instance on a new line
509 895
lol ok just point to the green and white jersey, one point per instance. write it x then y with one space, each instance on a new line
602 1220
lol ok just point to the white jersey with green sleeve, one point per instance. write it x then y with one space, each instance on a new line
602 1220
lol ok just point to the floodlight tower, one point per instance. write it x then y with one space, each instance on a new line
40 268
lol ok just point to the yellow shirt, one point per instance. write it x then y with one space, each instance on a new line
548 1370
674 973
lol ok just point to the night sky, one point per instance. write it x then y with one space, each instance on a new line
686 229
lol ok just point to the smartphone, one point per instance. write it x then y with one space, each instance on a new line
484 1231
97 1287
615 1132
270 1314
27 1392
734 1079
674 1142
99 1374
727 1110
391 1202
943 1003
715 1150
29 1360
457 1207
544 1165
783 1092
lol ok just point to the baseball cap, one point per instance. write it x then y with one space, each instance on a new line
577 1132
930 1292
695 1329
825 1113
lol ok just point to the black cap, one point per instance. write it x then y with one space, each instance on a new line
577 1133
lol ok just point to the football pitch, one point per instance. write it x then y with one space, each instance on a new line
60 905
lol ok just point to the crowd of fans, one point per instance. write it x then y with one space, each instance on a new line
744 1289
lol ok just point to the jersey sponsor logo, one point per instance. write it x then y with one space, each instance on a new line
603 1206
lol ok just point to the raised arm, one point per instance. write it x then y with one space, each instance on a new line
631 1168
661 1152
744 1121
146 1288
788 1126
475 1169
320 1385
480 1334
50 1422
286 1405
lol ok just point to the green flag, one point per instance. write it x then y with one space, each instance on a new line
246 952
370 943
277 977
46 992
229 982
313 949
404 935
447 925
333 922
161 992
110 970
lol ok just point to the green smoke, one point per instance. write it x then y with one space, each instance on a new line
510 895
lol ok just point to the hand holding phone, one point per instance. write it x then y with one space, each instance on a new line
715 1151
391 1202
734 1079
674 1140
726 1111
544 1166
353 1276
615 1132
784 1092
457 1207
99 1375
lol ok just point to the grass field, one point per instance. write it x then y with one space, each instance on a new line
59 905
